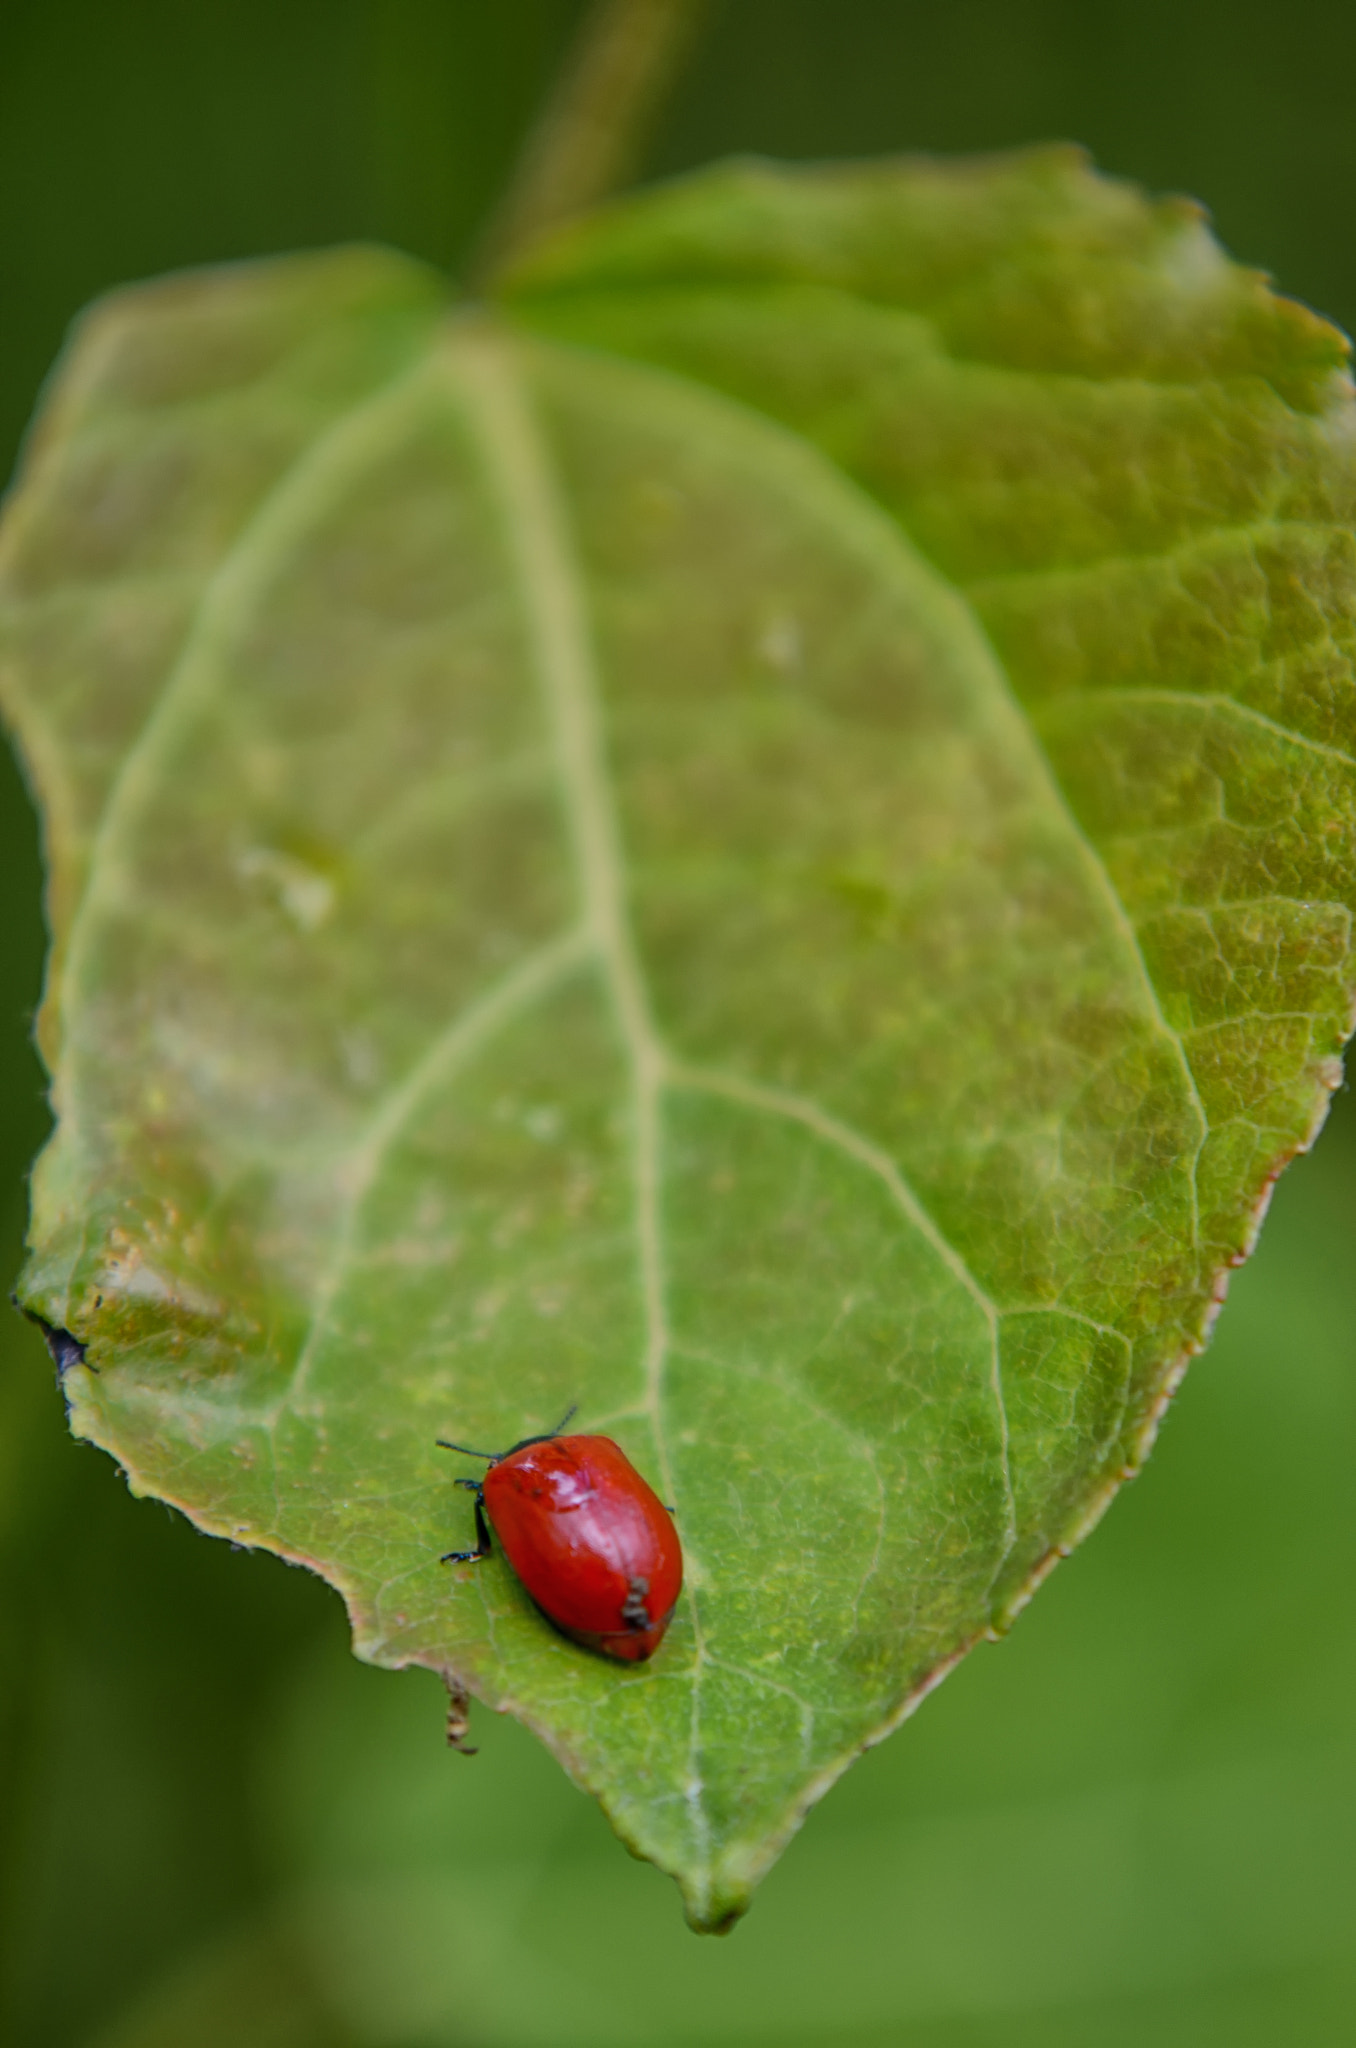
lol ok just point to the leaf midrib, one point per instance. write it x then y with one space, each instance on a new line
535 536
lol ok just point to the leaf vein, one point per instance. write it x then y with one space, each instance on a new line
779 1102
1129 935
255 562
538 542
1213 701
516 991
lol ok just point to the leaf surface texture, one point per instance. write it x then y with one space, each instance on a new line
759 839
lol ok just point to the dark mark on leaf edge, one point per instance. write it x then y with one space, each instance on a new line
66 1350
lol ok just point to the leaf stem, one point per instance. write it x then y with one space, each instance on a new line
590 132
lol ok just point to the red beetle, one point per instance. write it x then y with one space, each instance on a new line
593 1544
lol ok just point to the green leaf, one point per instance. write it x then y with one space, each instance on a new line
761 841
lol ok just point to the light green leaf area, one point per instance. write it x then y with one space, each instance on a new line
761 841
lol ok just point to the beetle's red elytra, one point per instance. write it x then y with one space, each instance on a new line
593 1543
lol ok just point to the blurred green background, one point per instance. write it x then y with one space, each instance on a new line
1135 1821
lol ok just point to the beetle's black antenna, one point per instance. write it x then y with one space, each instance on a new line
568 1416
465 1449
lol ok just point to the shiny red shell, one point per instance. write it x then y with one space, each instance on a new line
593 1544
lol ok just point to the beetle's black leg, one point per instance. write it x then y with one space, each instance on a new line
482 1531
635 1613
